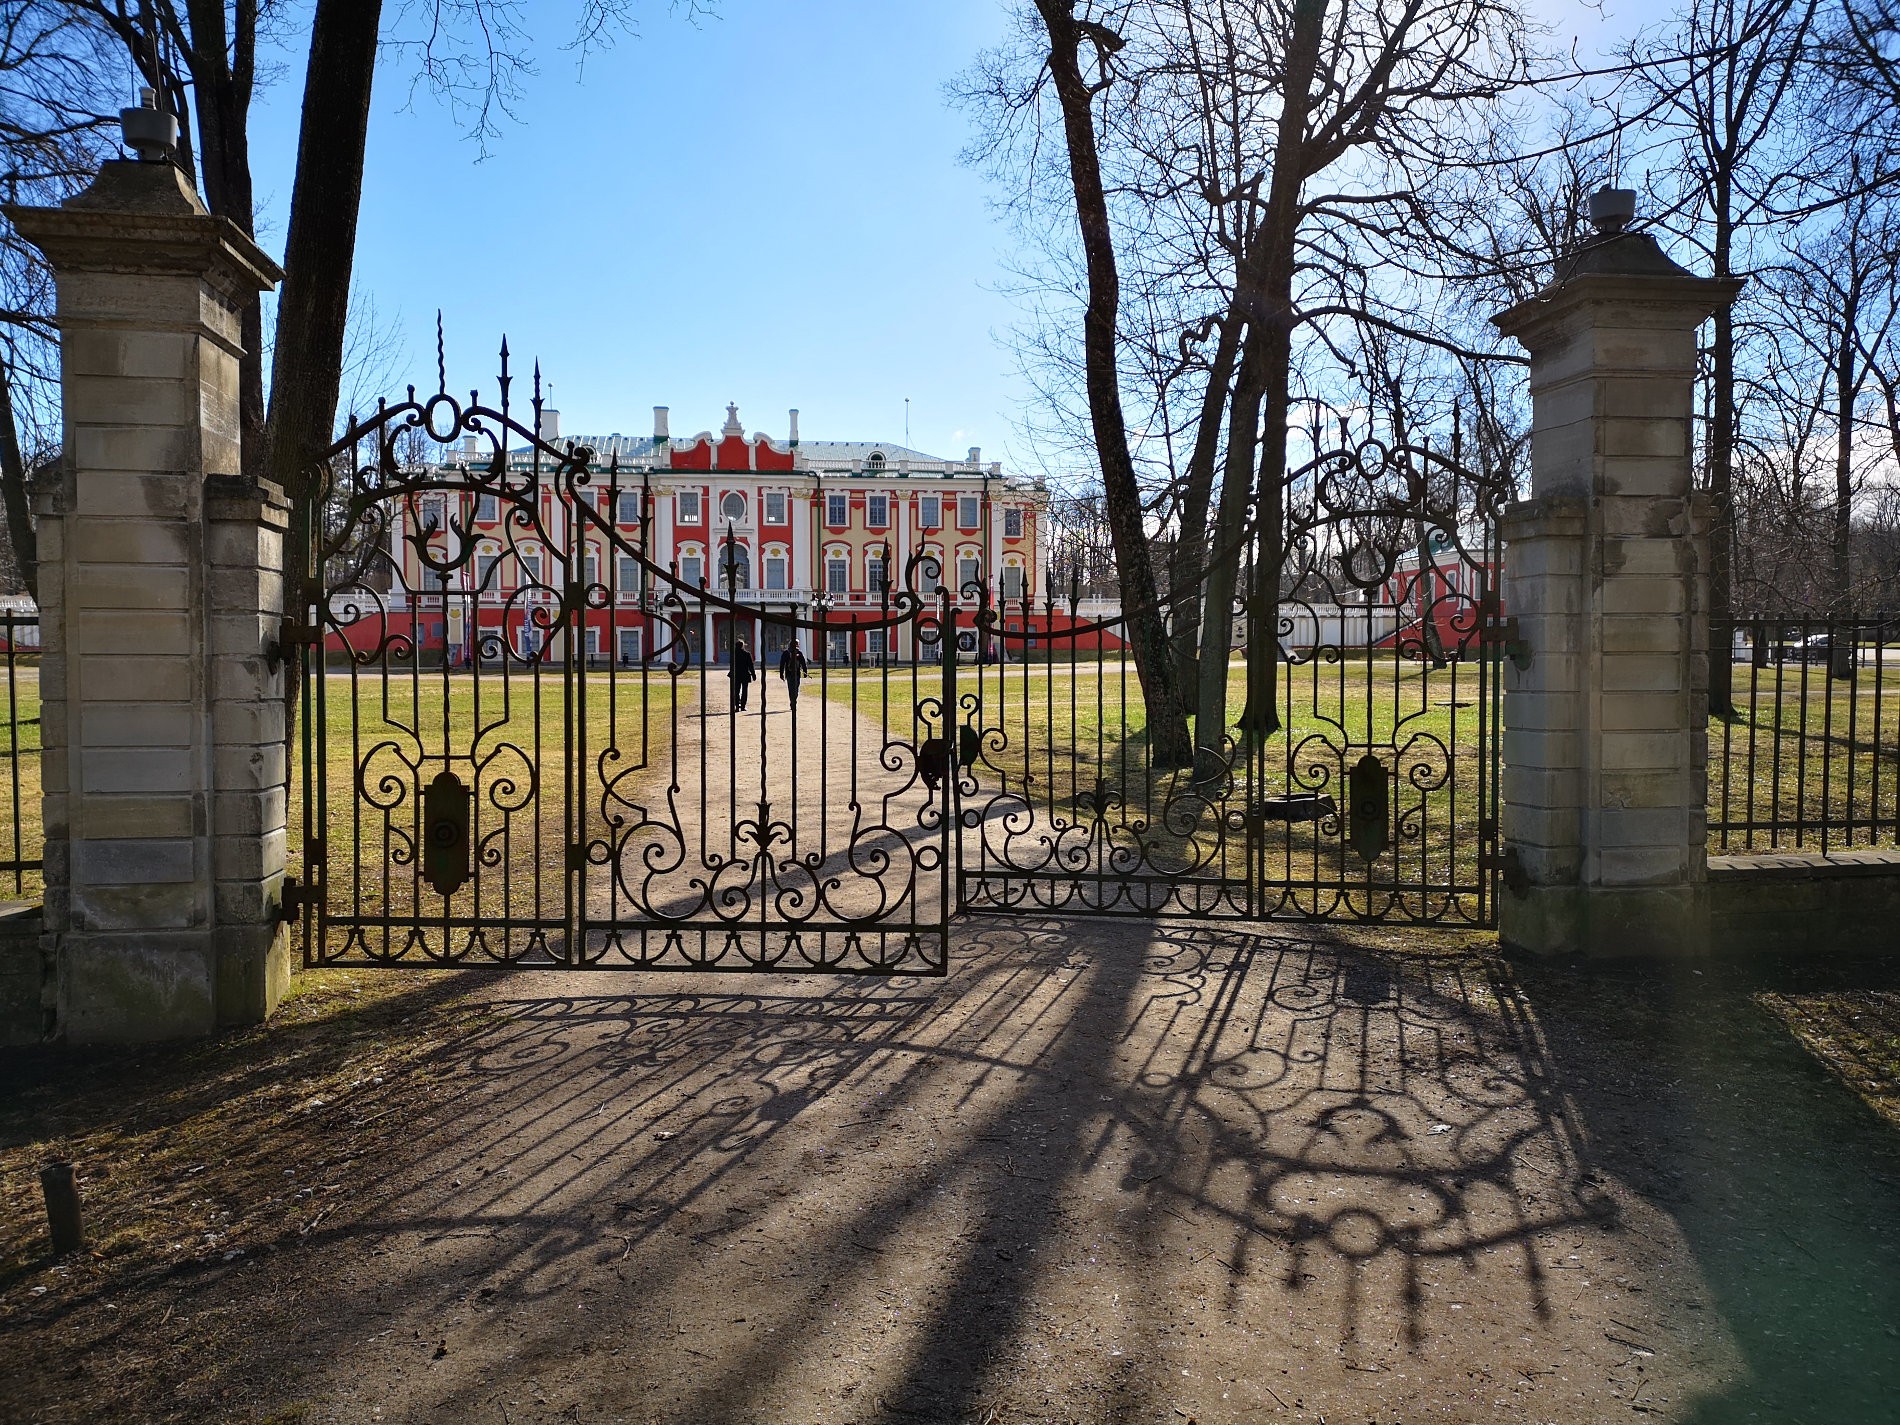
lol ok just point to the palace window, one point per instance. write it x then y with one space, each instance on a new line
837 511
630 572
485 569
775 569
969 571
877 511
1012 581
487 509
531 565
688 506
629 507
966 512
874 574
1012 524
930 512
735 567
691 570
837 575
733 506
775 507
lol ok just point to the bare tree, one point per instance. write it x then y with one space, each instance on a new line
1262 161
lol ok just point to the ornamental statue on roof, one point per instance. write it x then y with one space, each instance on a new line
732 420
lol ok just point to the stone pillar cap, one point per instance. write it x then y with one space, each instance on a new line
145 217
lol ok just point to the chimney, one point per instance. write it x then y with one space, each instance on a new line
660 436
976 455
794 427
549 428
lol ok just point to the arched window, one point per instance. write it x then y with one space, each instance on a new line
876 460
692 565
777 568
735 567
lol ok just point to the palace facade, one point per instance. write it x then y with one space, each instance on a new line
813 529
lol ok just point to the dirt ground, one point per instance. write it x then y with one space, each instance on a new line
1103 1172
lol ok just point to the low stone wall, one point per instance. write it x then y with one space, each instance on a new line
25 1006
1776 903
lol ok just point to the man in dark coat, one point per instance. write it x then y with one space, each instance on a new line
742 673
791 668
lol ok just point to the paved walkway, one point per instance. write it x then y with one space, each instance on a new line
806 816
1106 1172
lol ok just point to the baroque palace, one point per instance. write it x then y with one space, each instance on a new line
814 529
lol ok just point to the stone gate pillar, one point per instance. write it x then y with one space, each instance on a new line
1605 730
160 589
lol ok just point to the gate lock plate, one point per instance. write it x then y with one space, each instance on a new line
445 832
1369 807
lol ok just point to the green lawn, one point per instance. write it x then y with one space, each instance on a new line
1065 742
1803 745
543 775
1051 737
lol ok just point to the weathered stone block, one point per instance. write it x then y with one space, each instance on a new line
161 905
157 769
100 862
114 817
129 400
135 631
117 678
1643 672
131 586
138 541
138 724
1662 440
130 989
1644 594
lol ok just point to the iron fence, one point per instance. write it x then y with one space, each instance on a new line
1808 756
21 839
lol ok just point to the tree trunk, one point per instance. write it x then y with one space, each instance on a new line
1280 233
16 491
319 253
1189 566
1223 569
1721 474
1841 648
223 69
1168 742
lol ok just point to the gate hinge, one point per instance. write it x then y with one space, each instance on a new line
294 899
1511 640
291 633
1509 868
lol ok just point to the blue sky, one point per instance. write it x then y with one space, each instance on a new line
764 207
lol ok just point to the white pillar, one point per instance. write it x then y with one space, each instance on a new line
161 587
1605 732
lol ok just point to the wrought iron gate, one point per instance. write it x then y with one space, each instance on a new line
1347 764
515 749
515 752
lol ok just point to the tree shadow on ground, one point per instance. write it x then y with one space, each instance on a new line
1098 1156
1784 1183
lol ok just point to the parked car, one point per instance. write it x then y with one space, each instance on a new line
1815 648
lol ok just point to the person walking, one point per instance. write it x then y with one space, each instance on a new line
791 668
742 673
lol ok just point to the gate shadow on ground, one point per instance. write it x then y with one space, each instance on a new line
1344 1122
1784 1183
1096 1156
